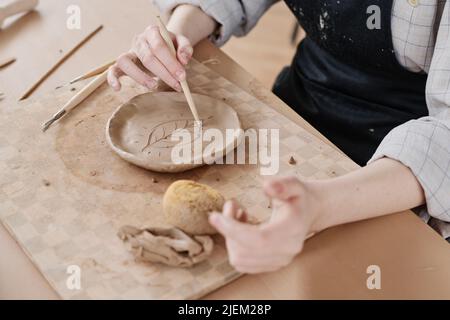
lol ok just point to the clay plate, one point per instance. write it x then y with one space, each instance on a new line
140 130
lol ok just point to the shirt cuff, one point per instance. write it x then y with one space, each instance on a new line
423 146
229 14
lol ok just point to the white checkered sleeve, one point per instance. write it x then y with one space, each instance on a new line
424 144
236 17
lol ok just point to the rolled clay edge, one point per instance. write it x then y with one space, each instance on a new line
169 167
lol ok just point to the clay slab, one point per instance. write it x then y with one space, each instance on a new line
140 131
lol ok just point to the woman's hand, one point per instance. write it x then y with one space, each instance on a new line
273 245
151 58
301 209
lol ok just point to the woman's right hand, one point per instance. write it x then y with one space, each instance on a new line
151 59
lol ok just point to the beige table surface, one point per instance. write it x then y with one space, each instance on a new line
414 260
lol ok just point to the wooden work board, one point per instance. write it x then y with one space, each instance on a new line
65 194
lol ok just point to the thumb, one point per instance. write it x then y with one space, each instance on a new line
114 74
284 189
232 229
184 49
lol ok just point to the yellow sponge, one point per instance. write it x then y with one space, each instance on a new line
187 206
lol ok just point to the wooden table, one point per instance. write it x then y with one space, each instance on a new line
414 260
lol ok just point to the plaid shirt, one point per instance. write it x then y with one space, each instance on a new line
421 38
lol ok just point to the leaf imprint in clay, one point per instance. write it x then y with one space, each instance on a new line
160 136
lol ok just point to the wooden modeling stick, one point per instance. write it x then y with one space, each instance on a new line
93 72
16 7
59 62
184 84
6 62
77 99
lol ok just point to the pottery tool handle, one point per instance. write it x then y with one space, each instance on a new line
77 99
17 7
184 84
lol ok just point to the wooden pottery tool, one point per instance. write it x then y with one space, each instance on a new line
93 72
184 84
59 63
16 7
77 99
6 62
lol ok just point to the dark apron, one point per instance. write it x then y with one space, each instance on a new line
345 79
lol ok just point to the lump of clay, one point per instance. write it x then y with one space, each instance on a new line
187 206
171 247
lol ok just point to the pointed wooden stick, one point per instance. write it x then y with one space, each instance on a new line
93 72
184 84
6 62
59 62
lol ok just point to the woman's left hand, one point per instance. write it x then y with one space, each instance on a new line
273 245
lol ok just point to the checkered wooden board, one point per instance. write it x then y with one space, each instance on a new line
65 194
